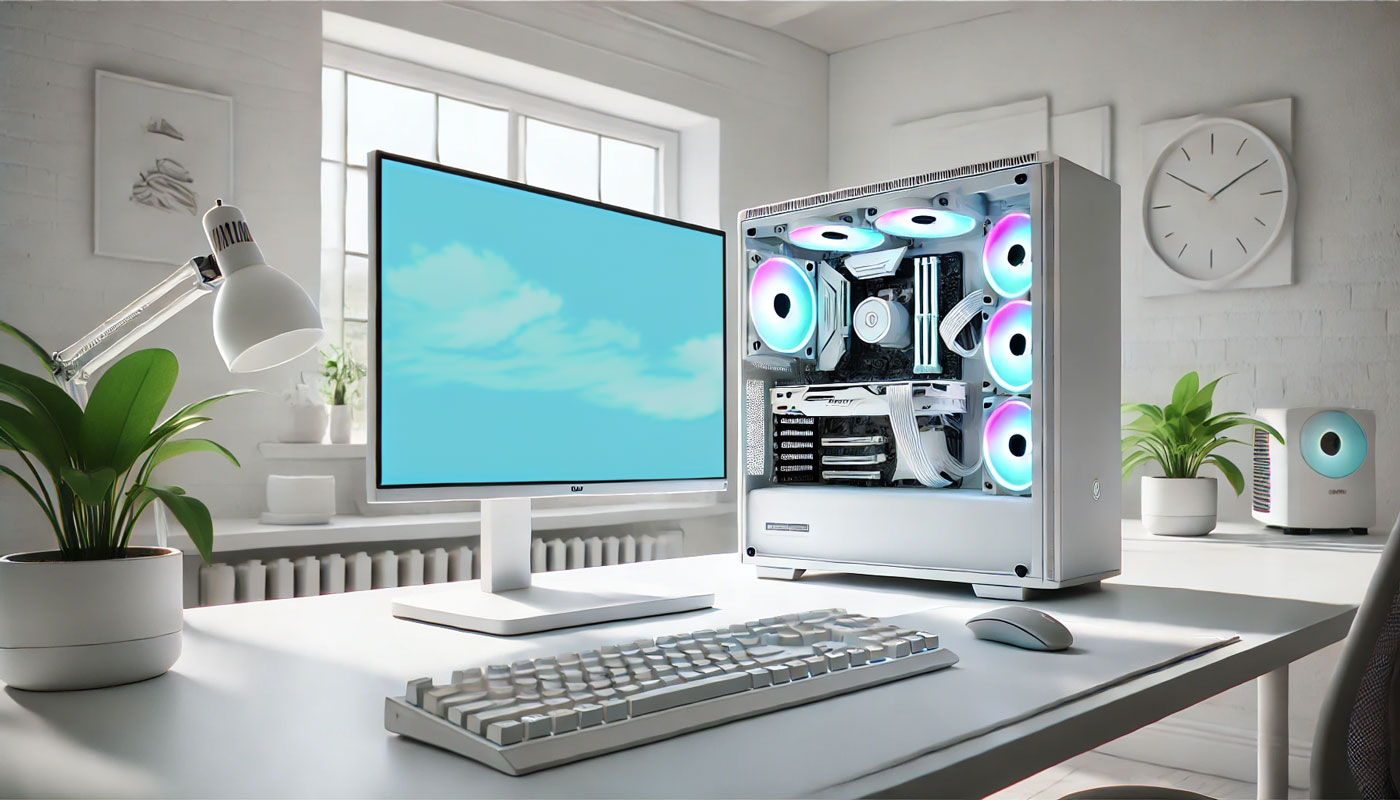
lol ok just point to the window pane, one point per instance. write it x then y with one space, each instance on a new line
387 116
629 175
332 114
473 137
356 210
562 159
356 288
332 205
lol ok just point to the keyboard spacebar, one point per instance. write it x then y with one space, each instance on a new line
681 694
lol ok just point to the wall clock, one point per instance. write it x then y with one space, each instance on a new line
1217 200
1210 216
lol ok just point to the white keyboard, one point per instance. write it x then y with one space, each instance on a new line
531 715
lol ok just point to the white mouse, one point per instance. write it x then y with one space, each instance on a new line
1021 627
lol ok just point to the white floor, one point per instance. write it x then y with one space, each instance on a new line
1097 769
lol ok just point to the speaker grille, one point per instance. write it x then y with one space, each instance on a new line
1261 470
755 417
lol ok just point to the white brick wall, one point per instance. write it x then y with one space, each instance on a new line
267 56
1334 337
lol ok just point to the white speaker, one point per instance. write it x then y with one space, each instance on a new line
1324 475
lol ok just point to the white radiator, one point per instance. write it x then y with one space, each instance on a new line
335 573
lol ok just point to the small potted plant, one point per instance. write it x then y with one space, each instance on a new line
97 611
1183 437
341 373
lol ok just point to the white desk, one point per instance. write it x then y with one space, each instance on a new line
284 698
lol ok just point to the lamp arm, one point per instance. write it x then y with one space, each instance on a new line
199 276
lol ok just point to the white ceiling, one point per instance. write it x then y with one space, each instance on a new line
836 25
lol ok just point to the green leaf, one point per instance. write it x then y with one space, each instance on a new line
179 447
192 515
41 396
1199 406
1134 461
123 408
171 423
43 355
90 487
33 434
48 511
1185 390
1145 409
1232 472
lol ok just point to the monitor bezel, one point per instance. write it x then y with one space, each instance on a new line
379 492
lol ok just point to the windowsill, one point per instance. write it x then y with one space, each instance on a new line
234 535
312 451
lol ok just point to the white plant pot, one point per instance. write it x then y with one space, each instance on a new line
1178 506
340 424
306 423
87 624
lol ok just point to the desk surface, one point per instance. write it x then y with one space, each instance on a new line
284 698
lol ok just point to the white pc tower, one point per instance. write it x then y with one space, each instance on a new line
931 379
525 343
1323 476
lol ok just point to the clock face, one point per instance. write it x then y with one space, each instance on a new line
1216 200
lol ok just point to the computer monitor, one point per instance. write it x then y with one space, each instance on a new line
525 343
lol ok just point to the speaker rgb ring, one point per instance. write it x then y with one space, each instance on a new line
1334 445
1006 445
1006 255
836 238
1007 342
782 305
924 223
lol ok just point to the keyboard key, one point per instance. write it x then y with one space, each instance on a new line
692 692
564 719
759 677
416 689
478 722
537 725
614 710
589 714
507 732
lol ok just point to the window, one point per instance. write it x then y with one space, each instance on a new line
373 102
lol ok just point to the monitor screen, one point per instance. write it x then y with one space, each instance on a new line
527 337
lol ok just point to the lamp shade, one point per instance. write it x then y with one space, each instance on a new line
262 317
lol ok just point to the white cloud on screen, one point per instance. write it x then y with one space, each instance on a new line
492 329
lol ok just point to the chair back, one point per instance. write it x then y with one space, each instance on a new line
1356 751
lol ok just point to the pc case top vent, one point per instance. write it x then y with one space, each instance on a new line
1261 469
895 185
755 421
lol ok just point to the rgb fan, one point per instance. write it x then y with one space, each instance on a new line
924 223
1006 255
782 305
1006 445
1333 444
831 237
1007 342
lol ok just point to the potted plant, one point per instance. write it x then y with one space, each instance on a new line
341 373
1183 437
97 611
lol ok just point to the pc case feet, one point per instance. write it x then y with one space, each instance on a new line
989 592
780 573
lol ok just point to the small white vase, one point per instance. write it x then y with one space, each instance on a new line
306 423
87 624
340 424
1178 506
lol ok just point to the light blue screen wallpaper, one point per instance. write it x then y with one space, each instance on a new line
528 339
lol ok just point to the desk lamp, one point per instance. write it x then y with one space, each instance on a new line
262 318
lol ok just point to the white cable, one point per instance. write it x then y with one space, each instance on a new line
958 318
928 467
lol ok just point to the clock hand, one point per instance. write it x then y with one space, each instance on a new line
1241 175
1192 185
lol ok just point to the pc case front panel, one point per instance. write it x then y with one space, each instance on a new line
944 533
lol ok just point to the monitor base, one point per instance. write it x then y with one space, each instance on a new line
553 600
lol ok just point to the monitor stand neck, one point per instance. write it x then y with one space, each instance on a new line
510 601
505 544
